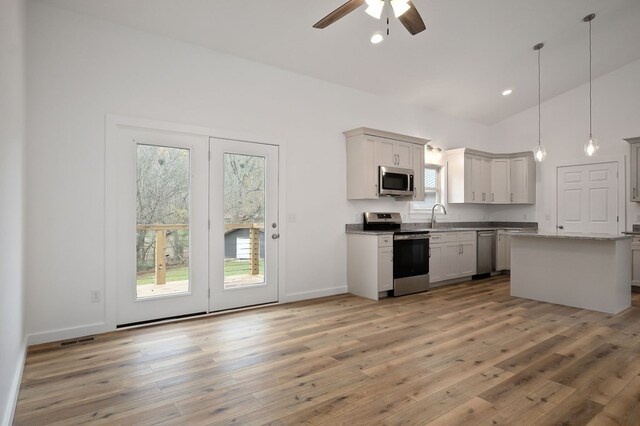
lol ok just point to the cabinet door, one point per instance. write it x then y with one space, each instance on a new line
485 180
436 267
385 268
501 262
507 251
451 260
476 179
500 178
635 174
418 172
468 260
519 182
384 154
403 155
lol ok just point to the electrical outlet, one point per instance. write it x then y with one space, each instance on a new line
96 296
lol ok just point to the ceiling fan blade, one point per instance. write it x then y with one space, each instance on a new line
340 12
412 20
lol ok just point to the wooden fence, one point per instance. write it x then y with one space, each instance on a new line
161 243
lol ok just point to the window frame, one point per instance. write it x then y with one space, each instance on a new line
422 210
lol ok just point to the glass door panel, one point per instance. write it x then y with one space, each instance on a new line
244 201
162 210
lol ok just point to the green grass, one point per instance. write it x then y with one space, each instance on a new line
232 267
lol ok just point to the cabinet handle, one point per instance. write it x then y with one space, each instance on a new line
461 249
429 252
512 197
493 197
634 193
473 196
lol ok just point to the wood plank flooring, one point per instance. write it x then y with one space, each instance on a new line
467 354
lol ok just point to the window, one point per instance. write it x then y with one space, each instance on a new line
432 191
431 185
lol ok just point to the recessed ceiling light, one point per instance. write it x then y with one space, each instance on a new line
377 38
507 92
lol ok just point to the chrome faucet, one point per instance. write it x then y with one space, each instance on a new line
433 213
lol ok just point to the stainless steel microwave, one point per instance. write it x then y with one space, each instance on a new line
395 182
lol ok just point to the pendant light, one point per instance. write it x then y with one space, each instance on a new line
591 146
539 153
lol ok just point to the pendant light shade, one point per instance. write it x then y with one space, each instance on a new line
539 152
591 146
375 8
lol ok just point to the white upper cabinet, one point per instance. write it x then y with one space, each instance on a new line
634 186
484 178
418 167
523 181
500 180
367 149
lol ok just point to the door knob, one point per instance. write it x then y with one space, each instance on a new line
560 227
275 236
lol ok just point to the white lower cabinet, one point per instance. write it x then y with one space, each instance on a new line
453 255
436 267
385 268
635 261
369 264
503 251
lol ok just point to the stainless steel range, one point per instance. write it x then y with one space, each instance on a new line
410 252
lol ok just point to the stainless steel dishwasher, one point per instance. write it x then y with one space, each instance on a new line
486 252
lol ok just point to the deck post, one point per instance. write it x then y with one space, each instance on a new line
254 249
161 269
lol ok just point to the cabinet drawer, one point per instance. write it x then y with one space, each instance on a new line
435 238
448 237
385 240
467 236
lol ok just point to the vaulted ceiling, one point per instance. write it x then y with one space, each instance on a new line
470 52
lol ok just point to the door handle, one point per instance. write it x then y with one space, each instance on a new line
275 236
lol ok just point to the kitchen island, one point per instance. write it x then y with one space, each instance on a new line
589 271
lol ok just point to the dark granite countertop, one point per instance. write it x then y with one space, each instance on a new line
356 228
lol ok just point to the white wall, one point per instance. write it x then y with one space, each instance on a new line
80 69
565 127
12 141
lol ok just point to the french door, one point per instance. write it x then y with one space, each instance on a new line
244 233
196 225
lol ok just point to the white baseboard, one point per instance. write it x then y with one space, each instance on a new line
68 333
10 408
294 297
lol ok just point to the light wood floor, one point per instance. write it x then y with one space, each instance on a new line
466 354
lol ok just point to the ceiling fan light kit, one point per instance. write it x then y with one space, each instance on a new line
404 10
374 8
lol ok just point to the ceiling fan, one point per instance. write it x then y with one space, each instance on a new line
404 10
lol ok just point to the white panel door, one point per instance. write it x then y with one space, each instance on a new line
519 174
403 155
243 197
162 196
588 198
384 153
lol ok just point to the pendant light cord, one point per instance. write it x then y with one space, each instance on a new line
539 114
590 90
